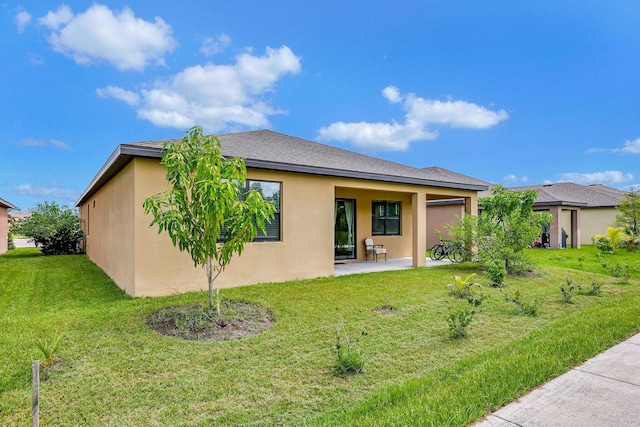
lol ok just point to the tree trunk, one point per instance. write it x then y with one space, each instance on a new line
209 272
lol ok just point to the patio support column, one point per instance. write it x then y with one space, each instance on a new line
555 229
471 206
575 229
419 229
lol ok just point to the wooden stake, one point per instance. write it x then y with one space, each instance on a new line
35 399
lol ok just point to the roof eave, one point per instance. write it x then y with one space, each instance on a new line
340 173
120 157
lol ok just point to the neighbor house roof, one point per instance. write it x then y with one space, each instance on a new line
572 194
7 205
265 149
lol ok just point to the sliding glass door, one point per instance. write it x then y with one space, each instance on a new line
345 229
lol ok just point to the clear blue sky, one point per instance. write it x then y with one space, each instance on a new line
511 92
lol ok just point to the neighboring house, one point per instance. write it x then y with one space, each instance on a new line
579 211
4 225
328 201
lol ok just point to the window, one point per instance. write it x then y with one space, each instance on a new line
385 218
270 191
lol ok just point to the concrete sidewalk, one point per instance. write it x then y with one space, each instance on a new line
604 391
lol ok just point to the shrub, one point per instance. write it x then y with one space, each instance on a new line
497 274
55 229
526 308
603 243
566 292
458 321
594 290
619 271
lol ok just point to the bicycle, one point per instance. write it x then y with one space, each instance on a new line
453 251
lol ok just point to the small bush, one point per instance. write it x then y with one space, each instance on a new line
567 291
525 308
458 321
497 274
594 290
350 359
476 299
603 243
619 271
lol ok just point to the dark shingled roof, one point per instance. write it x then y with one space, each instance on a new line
572 194
265 149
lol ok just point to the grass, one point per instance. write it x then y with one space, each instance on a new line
113 370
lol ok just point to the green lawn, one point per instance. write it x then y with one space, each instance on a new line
113 370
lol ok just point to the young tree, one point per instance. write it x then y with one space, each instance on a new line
629 216
507 226
207 212
53 228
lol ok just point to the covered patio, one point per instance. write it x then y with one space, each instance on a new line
357 267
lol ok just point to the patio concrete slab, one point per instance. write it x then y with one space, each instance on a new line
604 391
356 267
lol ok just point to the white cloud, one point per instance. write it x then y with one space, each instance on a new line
216 97
420 115
212 46
45 192
23 18
632 147
514 179
54 20
607 177
31 142
376 136
129 97
100 35
596 150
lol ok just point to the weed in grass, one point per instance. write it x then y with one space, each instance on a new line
567 291
526 308
49 350
458 321
350 358
462 287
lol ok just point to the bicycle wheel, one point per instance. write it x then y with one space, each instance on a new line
456 254
437 252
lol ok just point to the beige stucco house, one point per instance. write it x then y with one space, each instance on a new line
328 201
4 225
580 210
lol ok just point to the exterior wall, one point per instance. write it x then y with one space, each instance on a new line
4 229
107 218
596 221
437 217
305 249
145 263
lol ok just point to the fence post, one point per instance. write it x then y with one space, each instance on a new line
35 399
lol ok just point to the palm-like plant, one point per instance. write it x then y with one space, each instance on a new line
462 287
